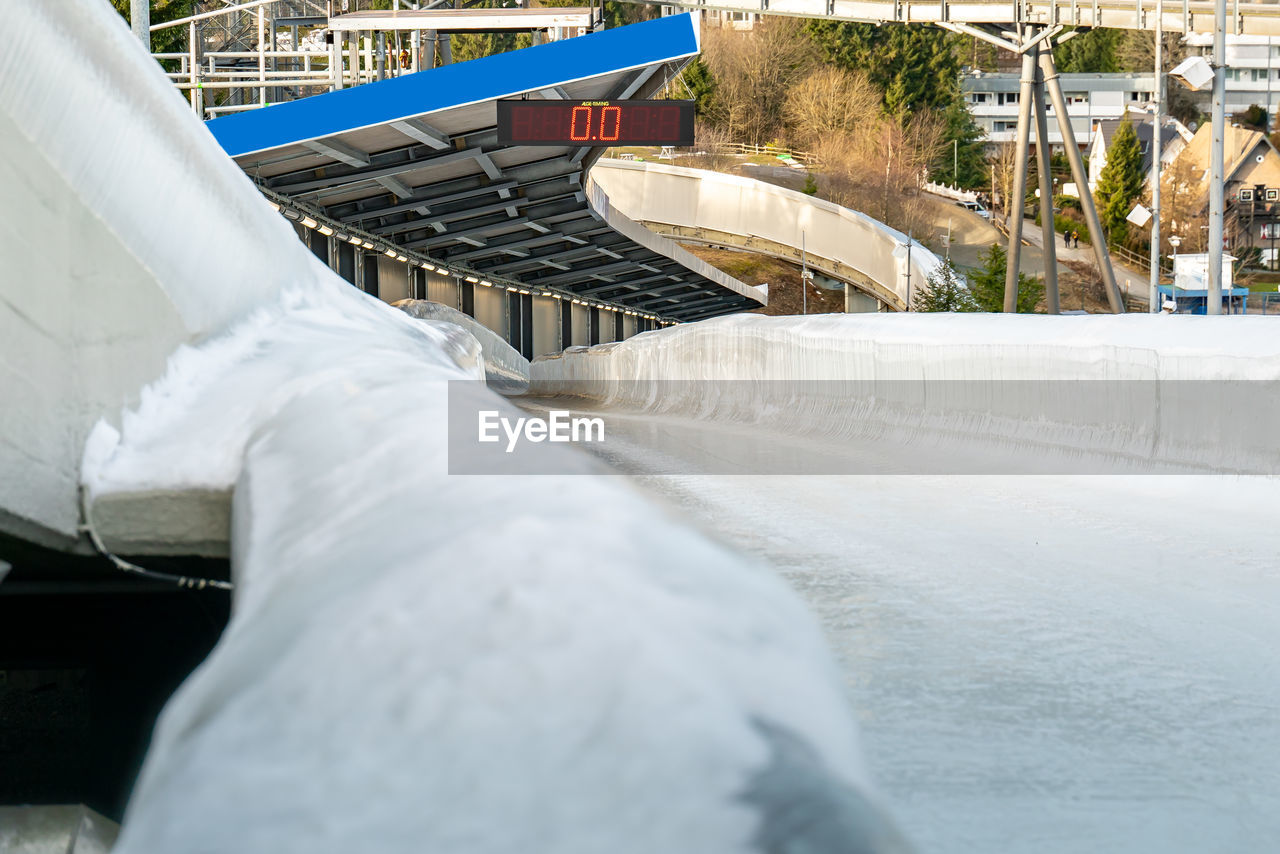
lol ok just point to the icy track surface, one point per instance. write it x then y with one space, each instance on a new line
1040 664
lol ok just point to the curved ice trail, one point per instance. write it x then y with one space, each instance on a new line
505 369
1138 391
414 662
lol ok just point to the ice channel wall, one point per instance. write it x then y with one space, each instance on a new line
706 206
1110 385
504 368
125 232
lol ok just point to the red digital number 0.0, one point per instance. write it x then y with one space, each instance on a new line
585 133
606 114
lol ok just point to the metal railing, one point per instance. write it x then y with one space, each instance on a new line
232 61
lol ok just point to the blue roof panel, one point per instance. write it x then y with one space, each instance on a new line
490 78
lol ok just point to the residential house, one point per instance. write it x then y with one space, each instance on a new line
1174 137
1251 169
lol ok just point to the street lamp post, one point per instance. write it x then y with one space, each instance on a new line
1175 241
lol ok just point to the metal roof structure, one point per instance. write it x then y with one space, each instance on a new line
461 20
415 161
1189 16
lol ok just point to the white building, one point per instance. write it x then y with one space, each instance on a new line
1091 98
1253 70
1173 138
719 18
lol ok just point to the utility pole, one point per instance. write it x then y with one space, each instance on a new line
1216 191
804 278
910 239
140 20
1157 149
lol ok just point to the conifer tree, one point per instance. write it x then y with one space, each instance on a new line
1120 182
987 283
944 290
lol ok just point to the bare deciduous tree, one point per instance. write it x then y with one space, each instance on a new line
754 73
828 102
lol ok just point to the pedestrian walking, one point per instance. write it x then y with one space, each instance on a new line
1066 237
1075 239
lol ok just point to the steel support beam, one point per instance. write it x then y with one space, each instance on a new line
420 131
583 272
1217 201
635 287
1153 290
1018 196
140 20
1078 174
454 216
359 176
422 202
1048 231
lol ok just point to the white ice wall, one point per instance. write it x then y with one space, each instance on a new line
1227 422
124 232
503 364
697 198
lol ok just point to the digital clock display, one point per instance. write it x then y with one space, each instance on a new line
591 123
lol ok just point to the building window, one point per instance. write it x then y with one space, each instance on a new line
1007 98
981 97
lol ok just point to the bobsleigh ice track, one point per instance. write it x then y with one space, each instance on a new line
712 207
414 662
424 662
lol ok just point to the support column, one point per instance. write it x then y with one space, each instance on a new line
429 48
1157 149
335 61
1216 200
353 56
380 58
1048 230
1019 193
140 21
262 57
1078 174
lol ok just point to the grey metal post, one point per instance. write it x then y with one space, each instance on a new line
140 20
335 60
353 56
380 58
1048 229
1216 200
804 276
1157 149
1019 192
1100 254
